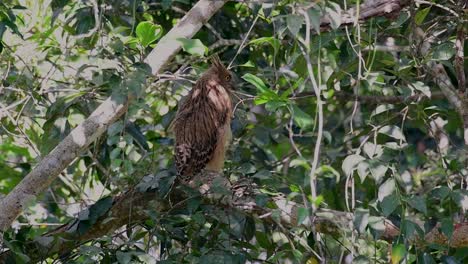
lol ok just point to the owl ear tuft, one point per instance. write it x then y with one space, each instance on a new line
216 62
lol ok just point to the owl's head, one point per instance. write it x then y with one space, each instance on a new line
225 77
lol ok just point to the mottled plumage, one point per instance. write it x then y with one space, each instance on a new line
202 124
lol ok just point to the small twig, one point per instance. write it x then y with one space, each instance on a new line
304 46
459 58
213 30
225 42
5 109
437 5
291 134
242 45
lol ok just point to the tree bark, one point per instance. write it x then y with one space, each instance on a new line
113 108
96 124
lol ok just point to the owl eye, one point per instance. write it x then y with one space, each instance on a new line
228 78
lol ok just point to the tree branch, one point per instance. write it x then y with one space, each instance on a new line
96 124
133 207
370 9
458 102
460 55
113 108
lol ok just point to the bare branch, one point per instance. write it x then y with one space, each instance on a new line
460 58
225 42
370 9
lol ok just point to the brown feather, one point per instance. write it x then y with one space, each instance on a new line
202 123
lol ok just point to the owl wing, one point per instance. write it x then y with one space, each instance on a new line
196 129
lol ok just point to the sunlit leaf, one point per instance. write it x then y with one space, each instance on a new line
385 189
361 219
420 86
392 131
255 81
193 46
148 32
301 118
275 43
350 163
421 15
294 23
398 253
334 13
314 16
302 214
444 51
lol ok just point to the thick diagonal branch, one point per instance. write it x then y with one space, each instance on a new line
96 124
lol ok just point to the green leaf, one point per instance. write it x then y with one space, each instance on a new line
247 168
123 257
420 86
408 229
193 46
255 81
301 118
263 240
334 15
263 174
398 253
99 209
314 17
447 227
441 192
236 224
363 170
55 131
444 51
361 219
297 254
329 171
460 197
302 214
382 109
294 23
386 189
389 204
147 32
272 103
377 223
378 170
372 150
421 15
275 43
115 128
418 203
392 131
350 163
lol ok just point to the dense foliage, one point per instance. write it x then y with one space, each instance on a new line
387 151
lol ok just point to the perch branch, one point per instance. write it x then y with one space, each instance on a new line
113 108
96 124
133 207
